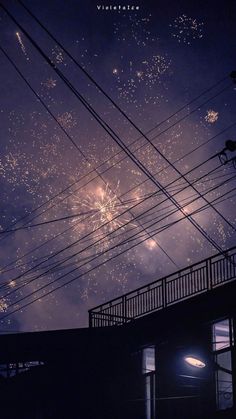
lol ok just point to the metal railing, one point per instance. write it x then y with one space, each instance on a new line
186 283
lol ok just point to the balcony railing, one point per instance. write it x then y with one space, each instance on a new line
186 283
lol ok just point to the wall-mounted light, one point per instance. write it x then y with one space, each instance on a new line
194 362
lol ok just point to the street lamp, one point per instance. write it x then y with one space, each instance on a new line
194 362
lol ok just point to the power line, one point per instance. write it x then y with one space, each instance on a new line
61 233
70 281
117 216
9 284
93 212
82 239
91 245
217 200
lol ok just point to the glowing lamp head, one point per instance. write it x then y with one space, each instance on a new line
194 362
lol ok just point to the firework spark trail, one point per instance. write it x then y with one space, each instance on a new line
22 46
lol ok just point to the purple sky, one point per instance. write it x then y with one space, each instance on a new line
151 63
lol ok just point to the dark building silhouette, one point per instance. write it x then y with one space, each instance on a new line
163 351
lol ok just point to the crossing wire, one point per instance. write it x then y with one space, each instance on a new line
74 279
93 212
65 231
8 283
94 243
217 200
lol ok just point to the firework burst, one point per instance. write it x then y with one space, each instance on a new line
185 29
211 116
3 305
50 83
105 204
105 207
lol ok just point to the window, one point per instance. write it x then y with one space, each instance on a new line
11 369
223 340
224 390
149 359
222 334
148 369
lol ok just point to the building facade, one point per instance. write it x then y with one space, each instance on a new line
166 350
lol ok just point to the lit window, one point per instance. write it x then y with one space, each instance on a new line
149 360
11 369
224 384
222 335
148 370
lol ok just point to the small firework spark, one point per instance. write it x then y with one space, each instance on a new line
12 283
12 160
50 83
3 305
115 71
150 244
133 29
57 55
154 68
23 49
49 149
211 116
139 74
186 29
67 120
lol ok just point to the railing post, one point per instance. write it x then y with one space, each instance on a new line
163 284
209 274
90 319
124 308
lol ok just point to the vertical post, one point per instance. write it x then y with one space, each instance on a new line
90 319
226 273
124 308
163 284
209 274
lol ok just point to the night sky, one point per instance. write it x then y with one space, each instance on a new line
152 62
